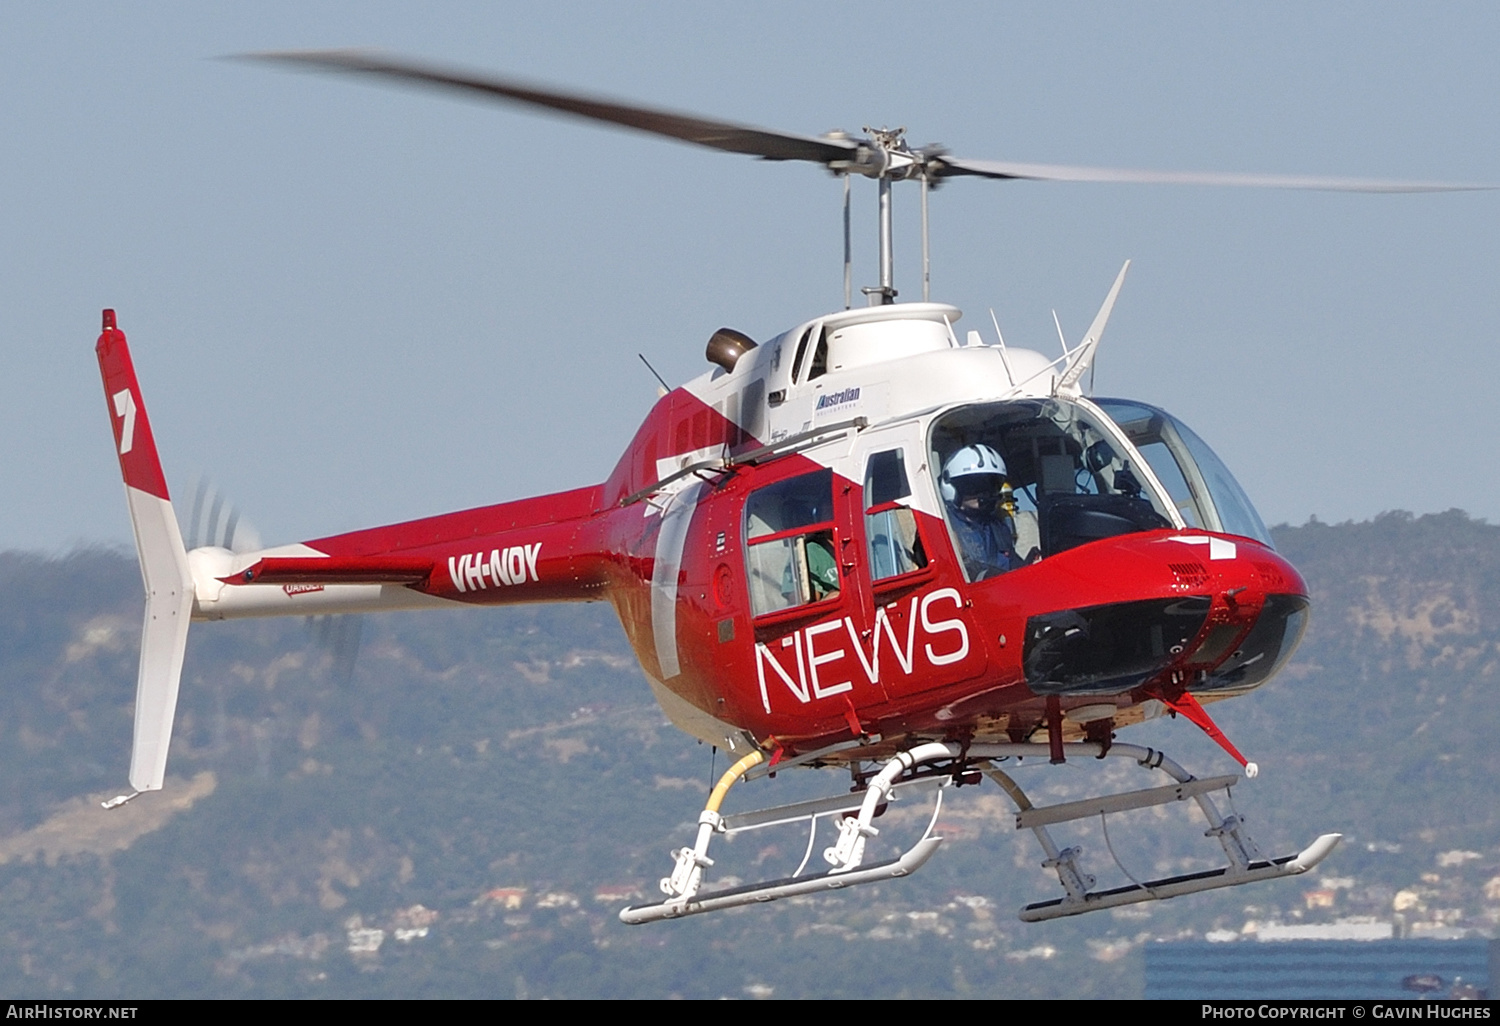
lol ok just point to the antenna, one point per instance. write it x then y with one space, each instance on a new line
1004 356
652 369
1060 336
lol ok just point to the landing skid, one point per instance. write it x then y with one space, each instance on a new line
751 894
1191 883
845 857
1245 862
855 813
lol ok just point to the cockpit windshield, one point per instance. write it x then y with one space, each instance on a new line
1202 488
1029 478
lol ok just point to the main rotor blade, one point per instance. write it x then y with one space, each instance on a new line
946 165
719 135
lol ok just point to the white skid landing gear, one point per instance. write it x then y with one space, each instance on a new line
684 896
845 857
1245 863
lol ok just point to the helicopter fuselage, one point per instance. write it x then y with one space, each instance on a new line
777 543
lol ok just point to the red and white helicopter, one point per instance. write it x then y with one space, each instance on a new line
869 542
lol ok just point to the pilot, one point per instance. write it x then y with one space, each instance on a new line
973 487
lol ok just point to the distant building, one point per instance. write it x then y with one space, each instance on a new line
505 897
1319 899
411 924
365 940
418 917
1322 970
557 899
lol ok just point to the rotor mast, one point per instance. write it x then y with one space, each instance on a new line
885 292
884 156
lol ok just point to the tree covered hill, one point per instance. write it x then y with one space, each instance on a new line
462 812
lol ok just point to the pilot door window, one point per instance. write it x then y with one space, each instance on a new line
1200 485
890 526
789 551
1027 479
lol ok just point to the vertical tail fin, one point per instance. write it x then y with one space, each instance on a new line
1081 356
164 565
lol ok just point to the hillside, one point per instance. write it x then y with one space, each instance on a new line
361 832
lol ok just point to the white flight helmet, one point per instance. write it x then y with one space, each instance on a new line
970 460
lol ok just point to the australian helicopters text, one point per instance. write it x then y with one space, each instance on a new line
839 398
502 568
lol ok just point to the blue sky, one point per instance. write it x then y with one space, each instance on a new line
351 304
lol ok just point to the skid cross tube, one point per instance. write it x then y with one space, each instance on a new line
1090 807
814 807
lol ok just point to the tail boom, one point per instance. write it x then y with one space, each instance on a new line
543 549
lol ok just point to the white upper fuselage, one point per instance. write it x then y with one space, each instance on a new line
883 363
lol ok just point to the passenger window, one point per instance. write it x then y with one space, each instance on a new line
890 526
820 357
801 353
790 548
818 365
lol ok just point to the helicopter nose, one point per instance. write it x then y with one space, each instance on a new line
1111 648
1243 659
1225 624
